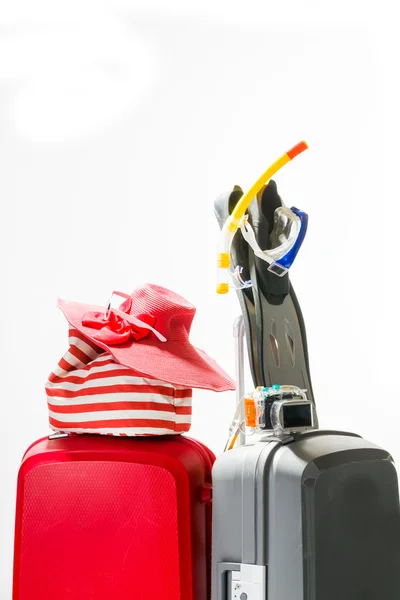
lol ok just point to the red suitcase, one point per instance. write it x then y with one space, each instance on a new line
113 518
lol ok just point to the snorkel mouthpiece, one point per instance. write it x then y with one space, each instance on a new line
237 219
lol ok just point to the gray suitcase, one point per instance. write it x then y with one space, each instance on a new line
313 516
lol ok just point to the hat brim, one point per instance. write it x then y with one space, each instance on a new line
173 362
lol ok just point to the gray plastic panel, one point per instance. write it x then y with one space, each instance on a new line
352 528
239 518
236 498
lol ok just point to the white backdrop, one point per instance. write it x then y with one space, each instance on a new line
121 121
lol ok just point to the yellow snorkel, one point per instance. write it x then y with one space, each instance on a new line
234 221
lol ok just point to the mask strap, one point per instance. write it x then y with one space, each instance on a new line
249 236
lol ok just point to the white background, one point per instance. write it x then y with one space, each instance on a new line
121 121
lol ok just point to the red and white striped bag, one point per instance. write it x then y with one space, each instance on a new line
89 392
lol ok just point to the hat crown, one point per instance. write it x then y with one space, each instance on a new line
174 315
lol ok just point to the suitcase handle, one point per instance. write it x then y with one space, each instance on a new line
238 334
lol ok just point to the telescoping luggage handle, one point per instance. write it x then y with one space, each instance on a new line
238 334
237 433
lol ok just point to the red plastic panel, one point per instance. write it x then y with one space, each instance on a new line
100 530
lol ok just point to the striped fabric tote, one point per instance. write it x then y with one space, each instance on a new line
89 392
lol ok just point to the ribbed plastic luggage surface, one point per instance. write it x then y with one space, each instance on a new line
109 518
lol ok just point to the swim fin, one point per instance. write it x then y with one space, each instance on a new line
275 330
281 334
223 207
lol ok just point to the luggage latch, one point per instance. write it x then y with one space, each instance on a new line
249 583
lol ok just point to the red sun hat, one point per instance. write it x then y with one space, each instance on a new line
149 333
